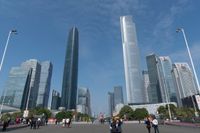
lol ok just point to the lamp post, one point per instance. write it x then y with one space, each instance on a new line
191 61
2 60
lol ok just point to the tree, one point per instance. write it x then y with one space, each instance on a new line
140 113
126 112
63 115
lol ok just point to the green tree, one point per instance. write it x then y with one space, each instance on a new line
126 112
140 113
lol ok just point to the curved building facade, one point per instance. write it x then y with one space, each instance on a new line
70 75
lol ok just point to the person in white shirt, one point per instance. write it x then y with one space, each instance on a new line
155 125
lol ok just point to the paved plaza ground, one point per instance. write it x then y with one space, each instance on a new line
97 128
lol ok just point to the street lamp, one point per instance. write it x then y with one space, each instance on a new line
191 61
4 53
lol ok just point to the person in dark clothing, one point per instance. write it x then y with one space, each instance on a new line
148 124
5 124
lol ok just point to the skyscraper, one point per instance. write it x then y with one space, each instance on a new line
83 103
70 75
184 81
154 90
111 106
166 77
17 87
118 95
131 61
35 80
146 85
45 83
55 102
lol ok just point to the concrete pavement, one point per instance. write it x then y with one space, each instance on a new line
89 128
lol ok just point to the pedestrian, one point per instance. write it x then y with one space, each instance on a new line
155 125
5 124
148 124
113 128
119 126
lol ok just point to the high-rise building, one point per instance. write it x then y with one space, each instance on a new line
17 87
118 95
45 83
184 81
70 75
83 103
35 80
135 93
162 88
55 101
146 85
154 90
111 105
166 80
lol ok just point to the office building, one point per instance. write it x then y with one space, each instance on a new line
111 106
35 80
166 80
17 88
118 95
55 101
133 79
146 85
70 75
184 81
83 103
45 83
154 90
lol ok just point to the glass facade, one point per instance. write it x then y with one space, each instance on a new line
55 102
184 81
83 103
146 85
17 87
118 95
166 80
110 104
70 75
35 80
135 93
154 91
45 83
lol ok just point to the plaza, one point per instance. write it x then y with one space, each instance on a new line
97 128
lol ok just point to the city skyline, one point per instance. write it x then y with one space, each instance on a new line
42 35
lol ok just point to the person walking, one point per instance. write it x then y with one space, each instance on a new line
155 125
148 124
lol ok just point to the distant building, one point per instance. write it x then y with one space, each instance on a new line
111 105
84 103
70 75
184 81
45 83
133 79
118 95
146 85
55 102
17 88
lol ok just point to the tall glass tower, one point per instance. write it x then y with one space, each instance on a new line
35 80
131 55
118 95
70 75
45 83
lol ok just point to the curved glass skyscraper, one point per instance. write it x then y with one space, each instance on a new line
131 61
70 75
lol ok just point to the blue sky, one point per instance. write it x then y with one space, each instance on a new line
43 27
